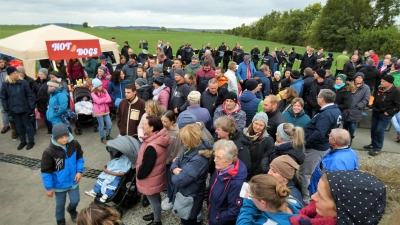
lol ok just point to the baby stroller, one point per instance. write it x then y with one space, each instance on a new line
125 194
83 109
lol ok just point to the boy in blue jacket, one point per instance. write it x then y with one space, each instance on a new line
62 167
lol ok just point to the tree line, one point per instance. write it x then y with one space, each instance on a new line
339 25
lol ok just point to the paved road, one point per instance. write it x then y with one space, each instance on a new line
23 199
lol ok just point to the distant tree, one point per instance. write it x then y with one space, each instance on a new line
163 28
85 24
385 12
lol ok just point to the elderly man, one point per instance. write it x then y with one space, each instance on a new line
194 108
209 96
245 71
230 73
194 66
208 57
340 157
317 136
350 68
275 117
231 107
386 105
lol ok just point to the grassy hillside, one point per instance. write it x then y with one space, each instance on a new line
175 38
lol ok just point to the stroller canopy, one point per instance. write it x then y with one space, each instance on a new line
127 145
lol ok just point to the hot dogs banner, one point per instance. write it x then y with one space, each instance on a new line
71 49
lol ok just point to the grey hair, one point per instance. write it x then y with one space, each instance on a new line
208 51
370 62
328 95
264 68
342 136
212 81
229 148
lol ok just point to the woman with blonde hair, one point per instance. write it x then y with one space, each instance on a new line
98 214
189 174
267 202
289 94
152 108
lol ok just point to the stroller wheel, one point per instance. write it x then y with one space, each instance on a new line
78 131
144 201
96 129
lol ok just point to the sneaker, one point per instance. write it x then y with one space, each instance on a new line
368 147
91 193
109 138
103 140
155 223
73 213
5 129
374 152
398 139
15 139
165 200
167 206
104 198
30 145
21 145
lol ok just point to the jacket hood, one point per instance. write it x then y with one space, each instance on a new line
54 142
300 81
237 108
204 149
370 68
349 86
247 96
160 138
360 192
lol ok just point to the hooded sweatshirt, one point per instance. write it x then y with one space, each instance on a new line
237 113
250 105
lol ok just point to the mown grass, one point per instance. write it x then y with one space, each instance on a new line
175 38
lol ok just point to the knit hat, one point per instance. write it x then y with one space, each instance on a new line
159 80
330 55
10 70
359 74
246 57
180 72
44 71
105 69
282 134
321 72
394 59
185 119
285 83
133 56
141 81
56 74
53 84
96 83
102 57
285 166
359 197
194 96
388 78
22 69
158 68
295 74
262 116
251 84
231 95
278 72
342 76
59 130
195 57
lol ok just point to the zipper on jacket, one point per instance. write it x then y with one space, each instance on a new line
127 121
211 189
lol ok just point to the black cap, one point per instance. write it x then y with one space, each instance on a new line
55 73
295 74
251 84
231 95
11 70
133 56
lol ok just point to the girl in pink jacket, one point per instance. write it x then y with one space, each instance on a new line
104 76
101 100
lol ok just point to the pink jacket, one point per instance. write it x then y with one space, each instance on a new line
163 98
101 103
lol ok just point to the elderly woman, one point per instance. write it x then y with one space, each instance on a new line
224 202
267 202
284 168
289 94
262 143
296 115
189 174
226 128
339 191
150 167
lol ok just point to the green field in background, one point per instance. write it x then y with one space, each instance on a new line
175 38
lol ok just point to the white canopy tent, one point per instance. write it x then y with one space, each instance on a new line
30 46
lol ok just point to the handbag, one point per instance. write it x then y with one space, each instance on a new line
182 206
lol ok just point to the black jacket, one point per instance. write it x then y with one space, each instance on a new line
179 95
254 54
180 52
145 92
207 101
243 143
287 148
386 101
30 81
124 52
17 97
308 61
167 63
238 55
312 89
274 120
371 74
168 52
327 64
188 53
344 96
269 61
42 97
349 70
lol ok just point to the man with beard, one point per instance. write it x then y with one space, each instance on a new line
203 75
130 69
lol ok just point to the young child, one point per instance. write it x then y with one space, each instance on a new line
101 101
62 166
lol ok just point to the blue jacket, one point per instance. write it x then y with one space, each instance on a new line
335 159
249 102
17 97
59 98
318 129
266 83
224 202
301 120
60 164
298 85
242 71
90 67
201 114
250 214
191 181
117 90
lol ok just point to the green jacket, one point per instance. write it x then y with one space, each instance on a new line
340 61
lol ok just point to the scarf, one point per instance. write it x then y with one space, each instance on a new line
223 171
308 216
157 92
254 137
337 87
193 66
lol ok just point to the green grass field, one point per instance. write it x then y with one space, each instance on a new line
175 38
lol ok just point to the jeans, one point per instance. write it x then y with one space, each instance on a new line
4 116
24 127
155 202
350 127
107 120
378 125
61 197
170 186
275 67
396 122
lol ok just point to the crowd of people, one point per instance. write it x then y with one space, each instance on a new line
267 135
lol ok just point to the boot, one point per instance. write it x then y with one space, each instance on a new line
73 213
14 133
61 222
155 223
148 217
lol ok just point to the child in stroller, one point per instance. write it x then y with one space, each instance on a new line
123 151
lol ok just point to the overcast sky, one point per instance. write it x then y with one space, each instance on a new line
216 14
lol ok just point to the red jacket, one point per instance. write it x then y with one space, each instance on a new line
376 59
76 72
